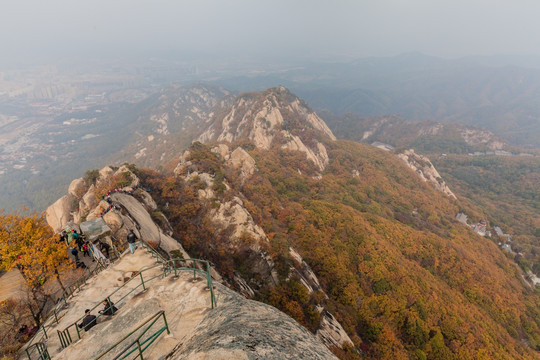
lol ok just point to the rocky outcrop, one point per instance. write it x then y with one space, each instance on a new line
303 272
60 213
473 136
270 116
235 329
232 214
77 187
330 331
241 160
145 227
423 167
401 133
245 329
89 199
317 154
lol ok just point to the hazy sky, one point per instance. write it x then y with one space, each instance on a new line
449 28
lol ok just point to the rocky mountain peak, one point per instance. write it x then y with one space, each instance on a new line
274 117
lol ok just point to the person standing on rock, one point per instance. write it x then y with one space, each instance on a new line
131 239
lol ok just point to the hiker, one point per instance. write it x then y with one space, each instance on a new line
85 249
109 308
88 321
131 239
80 242
104 247
80 264
75 253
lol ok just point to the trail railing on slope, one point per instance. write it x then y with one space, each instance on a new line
32 348
65 335
140 344
169 267
172 267
40 349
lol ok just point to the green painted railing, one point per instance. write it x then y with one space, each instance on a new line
41 334
152 251
73 332
141 343
67 335
175 265
39 349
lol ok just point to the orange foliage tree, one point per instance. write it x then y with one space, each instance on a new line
28 244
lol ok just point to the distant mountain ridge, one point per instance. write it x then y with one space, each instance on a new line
472 91
272 117
426 136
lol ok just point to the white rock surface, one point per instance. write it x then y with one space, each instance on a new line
59 213
89 199
236 329
260 117
76 187
241 160
331 332
426 171
105 173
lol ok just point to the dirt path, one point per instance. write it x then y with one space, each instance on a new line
10 284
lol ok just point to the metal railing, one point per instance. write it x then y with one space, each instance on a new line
139 345
159 258
41 350
172 266
67 335
55 313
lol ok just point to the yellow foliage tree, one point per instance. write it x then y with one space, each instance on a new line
29 244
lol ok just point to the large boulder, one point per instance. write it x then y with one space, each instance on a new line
60 213
77 188
241 160
89 199
247 329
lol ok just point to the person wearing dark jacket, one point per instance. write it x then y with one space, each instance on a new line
104 247
109 308
131 239
88 322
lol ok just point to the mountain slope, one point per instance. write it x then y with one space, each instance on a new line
357 248
148 132
426 136
389 261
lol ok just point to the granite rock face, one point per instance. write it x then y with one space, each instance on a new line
246 329
426 171
60 213
274 116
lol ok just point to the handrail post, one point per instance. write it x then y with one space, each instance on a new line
140 350
142 281
44 332
166 324
210 286
110 305
61 339
194 274
78 332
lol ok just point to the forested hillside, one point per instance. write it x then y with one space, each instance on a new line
504 189
403 277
